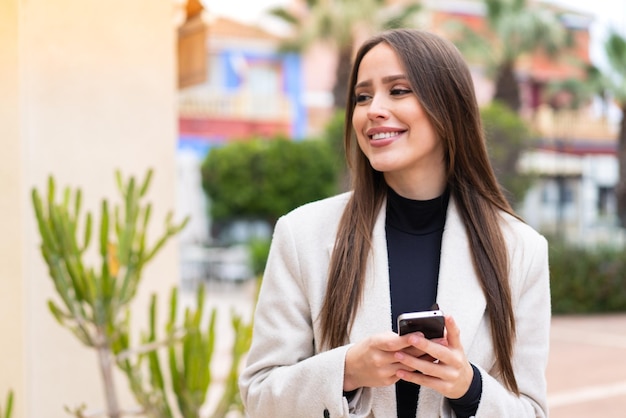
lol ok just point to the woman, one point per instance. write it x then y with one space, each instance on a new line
426 222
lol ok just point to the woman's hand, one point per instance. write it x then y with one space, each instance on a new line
372 361
451 375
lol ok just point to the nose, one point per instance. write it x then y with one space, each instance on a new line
378 109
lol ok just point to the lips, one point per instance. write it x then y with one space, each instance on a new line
384 135
382 132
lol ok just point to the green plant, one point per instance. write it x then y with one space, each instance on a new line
8 406
507 138
95 300
264 179
259 249
335 23
584 280
243 338
189 353
613 87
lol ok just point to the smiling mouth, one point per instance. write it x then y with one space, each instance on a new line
384 135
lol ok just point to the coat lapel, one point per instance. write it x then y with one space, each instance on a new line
458 293
375 313
377 288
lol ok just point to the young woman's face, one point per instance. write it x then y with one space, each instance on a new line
393 130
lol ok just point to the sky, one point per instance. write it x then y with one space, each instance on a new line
607 13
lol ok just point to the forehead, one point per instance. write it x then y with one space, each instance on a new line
380 61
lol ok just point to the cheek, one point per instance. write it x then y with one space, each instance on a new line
359 115
359 118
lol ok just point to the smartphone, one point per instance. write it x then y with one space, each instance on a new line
429 323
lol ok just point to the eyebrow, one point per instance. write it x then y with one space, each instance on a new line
386 80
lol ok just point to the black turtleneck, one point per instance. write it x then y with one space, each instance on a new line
414 231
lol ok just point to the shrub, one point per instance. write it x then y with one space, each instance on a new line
507 138
259 250
587 280
264 179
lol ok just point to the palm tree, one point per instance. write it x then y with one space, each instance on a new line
339 22
576 92
515 28
615 48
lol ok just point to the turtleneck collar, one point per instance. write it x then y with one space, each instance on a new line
416 217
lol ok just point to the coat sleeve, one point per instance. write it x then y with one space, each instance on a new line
284 375
530 351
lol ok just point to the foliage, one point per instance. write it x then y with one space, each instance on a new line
96 306
515 28
264 179
189 349
188 375
507 138
231 399
8 406
576 92
615 87
587 280
615 47
95 302
259 250
334 135
337 23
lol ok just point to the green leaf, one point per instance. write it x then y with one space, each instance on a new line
146 184
9 405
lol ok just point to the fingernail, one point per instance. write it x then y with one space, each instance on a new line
399 355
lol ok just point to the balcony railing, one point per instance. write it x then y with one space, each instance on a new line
573 124
235 106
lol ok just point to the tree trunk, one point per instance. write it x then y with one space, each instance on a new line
344 64
621 158
507 87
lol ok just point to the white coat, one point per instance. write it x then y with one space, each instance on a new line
288 375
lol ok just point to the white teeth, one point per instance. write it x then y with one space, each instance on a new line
384 135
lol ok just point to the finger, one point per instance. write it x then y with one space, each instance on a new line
453 333
412 351
419 379
441 341
393 342
425 365
429 347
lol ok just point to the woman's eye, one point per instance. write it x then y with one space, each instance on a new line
399 91
360 98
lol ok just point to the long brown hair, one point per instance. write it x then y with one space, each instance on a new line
442 82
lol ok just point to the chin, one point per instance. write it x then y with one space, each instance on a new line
383 166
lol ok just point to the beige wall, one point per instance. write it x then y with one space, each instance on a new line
12 356
88 86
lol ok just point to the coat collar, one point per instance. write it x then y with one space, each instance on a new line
459 292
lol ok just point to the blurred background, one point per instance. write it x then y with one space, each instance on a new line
237 107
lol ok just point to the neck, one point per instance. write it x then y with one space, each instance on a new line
427 188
